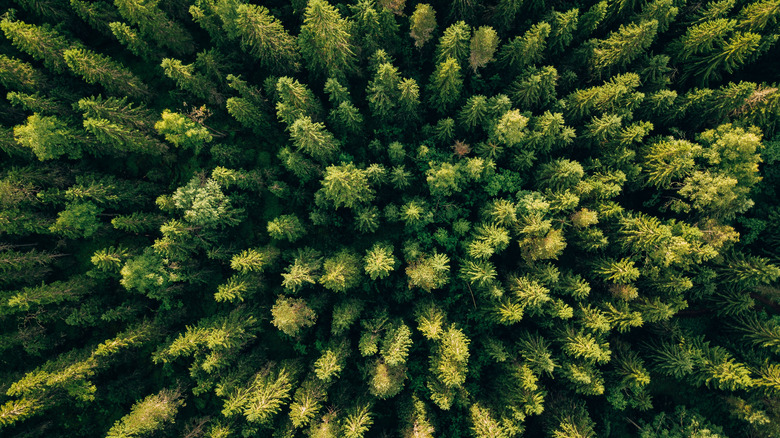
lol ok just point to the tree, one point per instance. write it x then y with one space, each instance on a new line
379 261
291 315
375 27
77 220
155 25
429 272
384 92
528 49
132 40
295 101
346 185
483 45
287 227
422 24
205 204
148 415
182 131
189 80
264 37
16 74
445 85
454 43
534 87
325 40
97 14
41 42
48 138
341 272
96 68
623 46
313 139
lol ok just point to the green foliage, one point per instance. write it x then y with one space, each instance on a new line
422 24
182 131
148 415
346 185
325 40
48 137
569 233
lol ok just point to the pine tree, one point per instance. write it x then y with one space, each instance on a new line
313 139
383 92
563 28
291 315
97 14
295 101
48 138
341 272
483 46
445 85
528 49
41 42
189 80
148 415
132 40
155 25
534 87
622 46
454 43
96 68
346 185
264 37
325 40
375 27
19 75
422 24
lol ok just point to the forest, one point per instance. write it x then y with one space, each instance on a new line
390 218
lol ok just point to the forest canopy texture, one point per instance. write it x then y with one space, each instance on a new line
390 218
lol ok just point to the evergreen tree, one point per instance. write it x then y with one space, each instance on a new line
48 138
131 39
325 40
155 25
623 46
422 24
445 85
264 37
19 75
41 42
96 68
454 43
483 45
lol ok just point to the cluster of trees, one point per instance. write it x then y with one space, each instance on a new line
358 218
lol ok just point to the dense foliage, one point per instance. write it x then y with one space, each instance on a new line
371 218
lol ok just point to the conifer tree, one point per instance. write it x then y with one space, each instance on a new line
445 85
422 24
528 49
19 75
191 81
131 39
623 46
454 43
291 315
155 25
48 138
264 37
326 41
41 42
313 139
96 68
483 45
97 14
148 415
